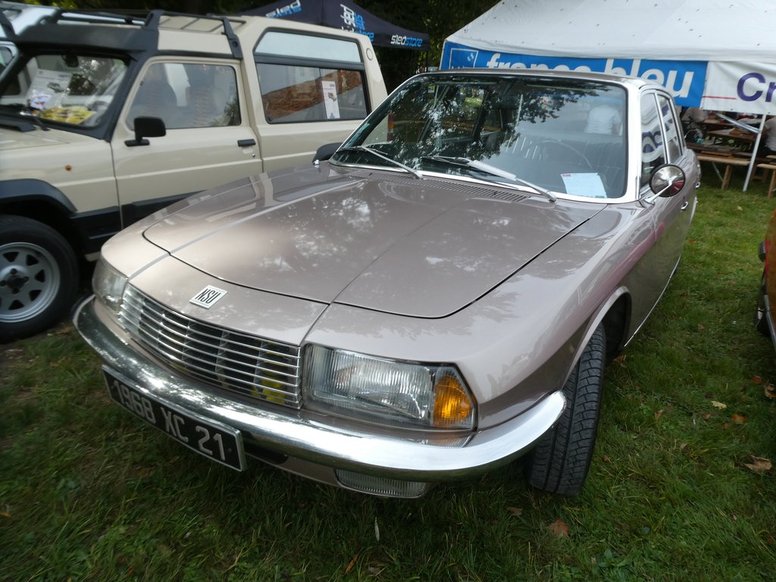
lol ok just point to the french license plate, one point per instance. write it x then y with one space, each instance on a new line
206 437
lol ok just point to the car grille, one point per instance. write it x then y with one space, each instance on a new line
247 365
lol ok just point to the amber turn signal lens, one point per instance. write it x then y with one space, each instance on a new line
453 407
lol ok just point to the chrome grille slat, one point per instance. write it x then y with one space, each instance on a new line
175 342
191 333
201 364
247 365
203 372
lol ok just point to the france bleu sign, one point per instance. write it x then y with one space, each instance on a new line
720 86
685 79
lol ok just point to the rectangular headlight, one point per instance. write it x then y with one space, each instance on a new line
108 285
421 395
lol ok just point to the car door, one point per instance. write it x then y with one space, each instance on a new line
313 92
676 212
208 141
682 156
670 218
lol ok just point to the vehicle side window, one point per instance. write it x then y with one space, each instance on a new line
294 87
672 139
187 95
653 152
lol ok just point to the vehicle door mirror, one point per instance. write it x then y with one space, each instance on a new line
146 127
667 180
325 152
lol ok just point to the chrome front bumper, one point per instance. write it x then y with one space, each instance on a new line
291 433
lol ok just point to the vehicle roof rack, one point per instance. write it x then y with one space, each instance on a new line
93 17
197 23
156 20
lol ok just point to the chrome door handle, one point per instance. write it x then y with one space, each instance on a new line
685 204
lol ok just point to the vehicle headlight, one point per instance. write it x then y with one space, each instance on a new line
422 395
108 285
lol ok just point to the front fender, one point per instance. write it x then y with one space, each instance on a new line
32 190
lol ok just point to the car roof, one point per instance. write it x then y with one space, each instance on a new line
160 30
634 82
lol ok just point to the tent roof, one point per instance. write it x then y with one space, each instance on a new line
345 15
705 30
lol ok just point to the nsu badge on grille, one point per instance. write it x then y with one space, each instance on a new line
207 297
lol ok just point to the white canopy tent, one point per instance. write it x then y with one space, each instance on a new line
714 54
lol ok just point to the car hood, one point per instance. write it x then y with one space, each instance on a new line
13 139
392 243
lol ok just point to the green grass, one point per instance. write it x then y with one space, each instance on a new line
88 492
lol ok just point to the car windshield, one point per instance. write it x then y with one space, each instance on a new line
565 136
69 89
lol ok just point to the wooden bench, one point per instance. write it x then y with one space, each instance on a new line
727 161
770 166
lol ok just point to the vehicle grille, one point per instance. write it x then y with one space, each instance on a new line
251 366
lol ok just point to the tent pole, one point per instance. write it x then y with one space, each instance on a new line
756 147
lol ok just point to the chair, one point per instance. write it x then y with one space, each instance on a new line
156 98
202 110
770 166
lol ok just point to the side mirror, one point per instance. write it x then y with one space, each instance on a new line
325 152
667 181
146 127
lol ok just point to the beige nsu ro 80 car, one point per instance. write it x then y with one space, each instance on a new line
435 299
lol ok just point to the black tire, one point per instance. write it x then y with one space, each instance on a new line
38 277
560 461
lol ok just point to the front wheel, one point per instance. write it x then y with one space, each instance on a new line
38 277
560 461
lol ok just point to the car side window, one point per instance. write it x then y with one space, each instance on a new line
672 139
294 87
187 95
653 152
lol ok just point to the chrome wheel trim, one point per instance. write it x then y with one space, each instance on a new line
30 279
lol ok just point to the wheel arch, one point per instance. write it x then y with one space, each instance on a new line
39 200
615 315
616 322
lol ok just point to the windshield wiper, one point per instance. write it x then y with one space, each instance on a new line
382 156
493 171
23 111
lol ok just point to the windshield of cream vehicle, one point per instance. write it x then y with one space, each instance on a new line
565 136
70 89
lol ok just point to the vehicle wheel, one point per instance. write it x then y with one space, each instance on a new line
38 277
760 320
560 460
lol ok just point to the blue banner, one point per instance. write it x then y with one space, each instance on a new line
684 79
345 15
